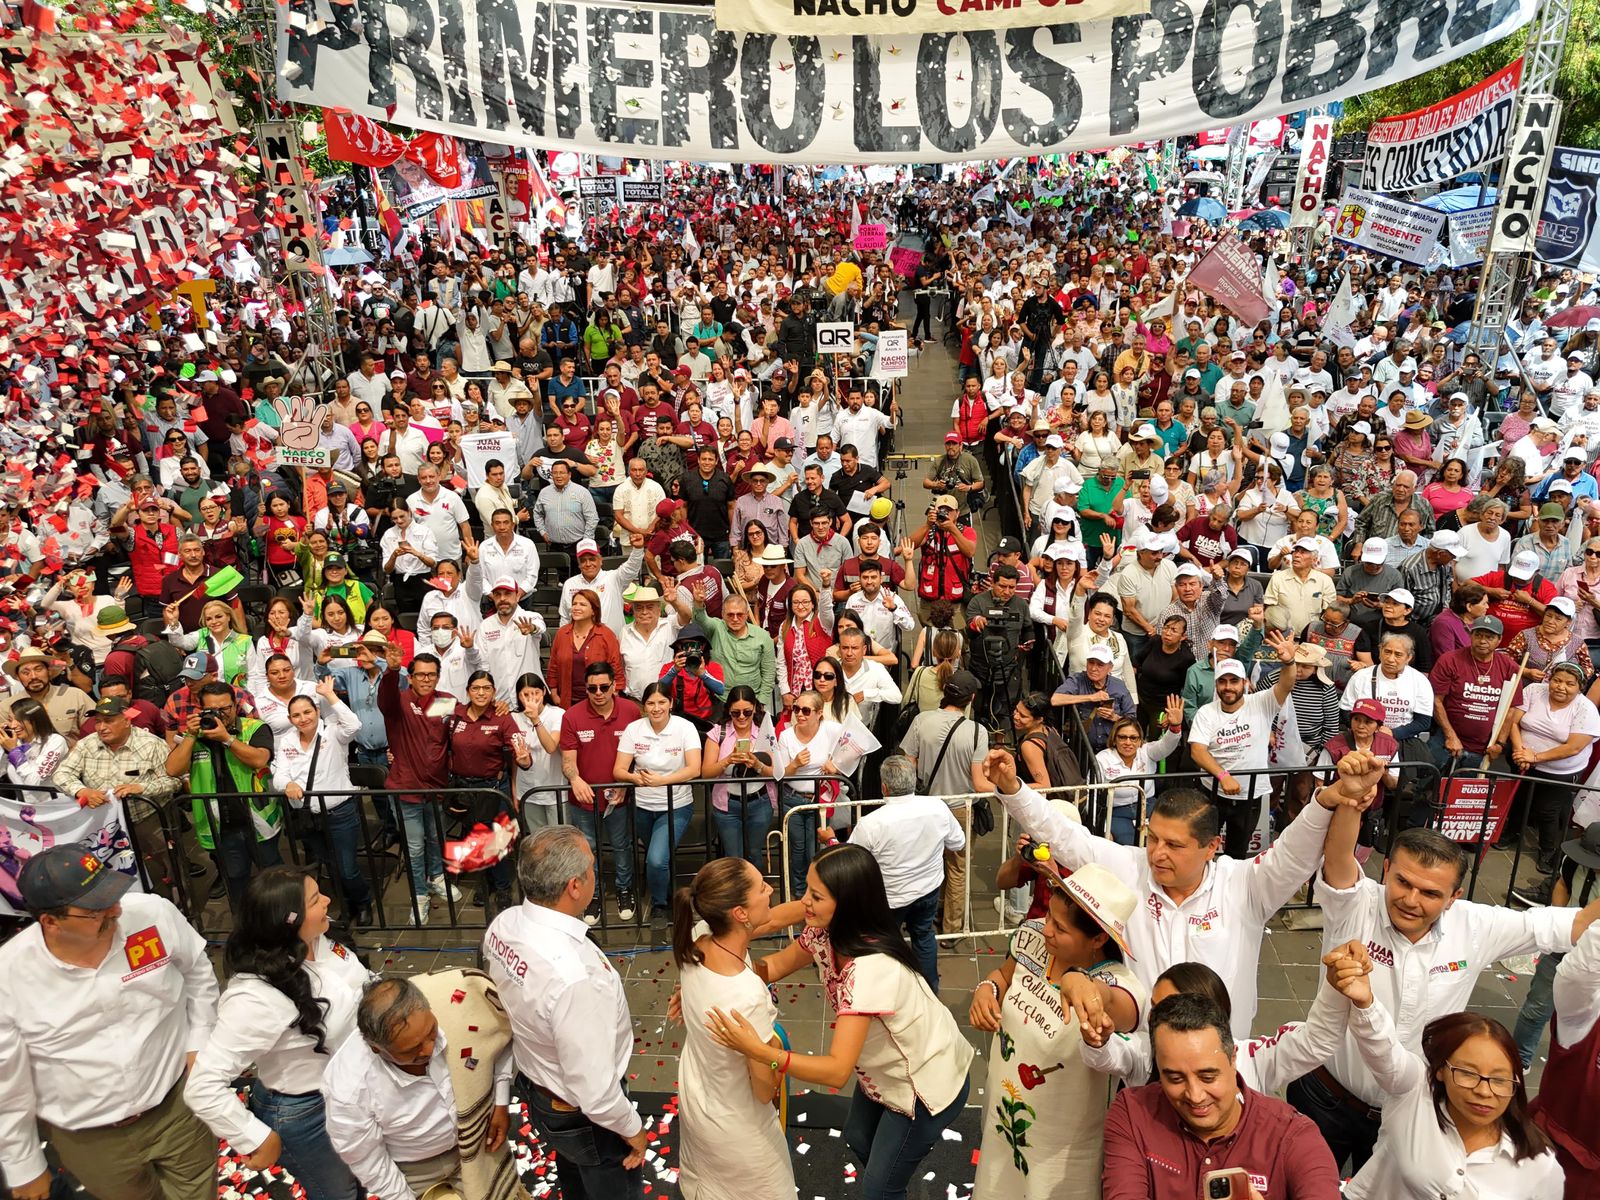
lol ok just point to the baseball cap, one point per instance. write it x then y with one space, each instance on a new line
70 875
1008 545
1488 624
1401 596
783 444
334 560
1189 571
665 508
1241 552
1575 356
197 665
1230 666
1371 709
589 546
951 437
1146 433
1374 550
1306 543
110 706
1225 633
961 686
1572 454
1192 373
945 502
1097 654
1054 442
505 584
1565 606
1450 540
1524 565
1545 424
1552 512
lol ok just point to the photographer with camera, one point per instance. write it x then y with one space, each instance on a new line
944 570
1002 631
220 751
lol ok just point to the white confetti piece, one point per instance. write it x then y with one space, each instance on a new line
950 1135
803 1148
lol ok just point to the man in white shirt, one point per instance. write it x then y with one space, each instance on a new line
408 444
507 552
867 681
1233 733
608 585
369 382
508 640
104 1003
572 1034
493 494
440 511
883 615
910 836
391 1108
1428 947
1195 905
858 425
1569 393
634 502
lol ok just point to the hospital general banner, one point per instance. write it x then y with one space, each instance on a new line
667 83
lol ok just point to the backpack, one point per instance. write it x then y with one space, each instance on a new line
155 669
1059 762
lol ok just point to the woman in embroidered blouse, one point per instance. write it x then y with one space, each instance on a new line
908 1055
803 640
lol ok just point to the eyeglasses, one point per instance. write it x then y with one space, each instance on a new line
1382 448
1591 553
803 710
824 676
597 689
1499 1085
741 712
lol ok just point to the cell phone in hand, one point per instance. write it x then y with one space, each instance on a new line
1230 1184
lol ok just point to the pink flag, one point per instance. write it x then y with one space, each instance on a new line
1230 274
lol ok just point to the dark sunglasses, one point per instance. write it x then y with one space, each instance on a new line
741 712
597 689
803 709
822 675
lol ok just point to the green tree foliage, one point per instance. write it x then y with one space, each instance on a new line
1578 84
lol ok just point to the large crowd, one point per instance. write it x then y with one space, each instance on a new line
601 540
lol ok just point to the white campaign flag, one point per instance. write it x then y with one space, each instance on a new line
984 195
854 743
1269 285
1341 315
1273 409
1166 308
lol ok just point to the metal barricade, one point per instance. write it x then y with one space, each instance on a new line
1483 809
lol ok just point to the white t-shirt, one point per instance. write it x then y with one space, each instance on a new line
1482 556
546 768
1238 740
1403 699
1544 728
663 753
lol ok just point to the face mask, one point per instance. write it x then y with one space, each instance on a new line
442 637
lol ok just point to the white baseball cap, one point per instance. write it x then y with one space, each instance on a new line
1225 633
1374 550
505 584
1448 539
1401 596
1306 543
585 546
1097 654
1565 606
1189 571
1524 565
1231 666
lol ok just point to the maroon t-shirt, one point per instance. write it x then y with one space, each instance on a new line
1470 692
1210 546
646 420
595 738
706 573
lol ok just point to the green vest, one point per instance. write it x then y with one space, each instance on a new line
233 655
265 814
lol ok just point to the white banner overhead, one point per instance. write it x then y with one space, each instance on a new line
904 17
666 83
1388 227
1315 145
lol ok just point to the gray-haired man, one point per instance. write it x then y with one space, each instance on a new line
571 1029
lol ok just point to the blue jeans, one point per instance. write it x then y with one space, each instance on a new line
588 1157
652 828
802 831
341 839
744 834
307 1153
918 919
238 850
1536 1009
1124 829
422 846
893 1145
719 549
617 833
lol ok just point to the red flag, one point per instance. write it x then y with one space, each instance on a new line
439 155
387 216
1230 274
360 140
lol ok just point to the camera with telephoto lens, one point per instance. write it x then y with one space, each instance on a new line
692 660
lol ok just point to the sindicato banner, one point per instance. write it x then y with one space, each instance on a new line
667 83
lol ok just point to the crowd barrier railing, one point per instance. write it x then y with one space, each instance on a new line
166 849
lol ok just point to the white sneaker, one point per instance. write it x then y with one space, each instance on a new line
420 916
438 886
